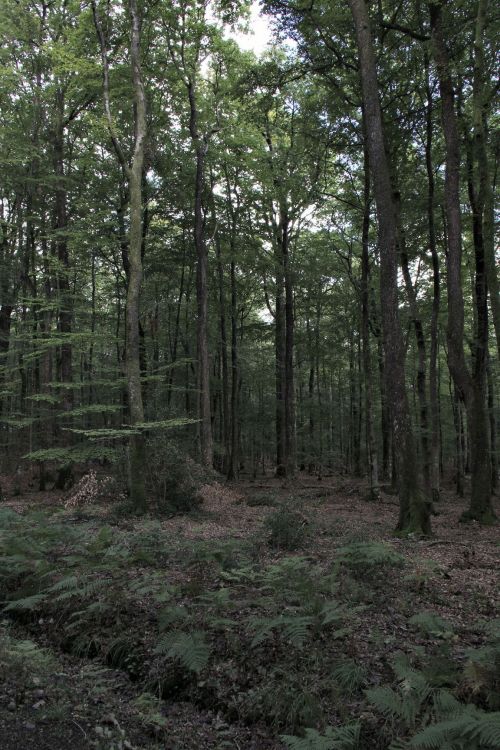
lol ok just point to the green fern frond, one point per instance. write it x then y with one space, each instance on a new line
26 603
471 730
446 705
332 612
69 582
172 616
263 628
334 738
350 676
431 624
386 701
191 649
366 555
294 628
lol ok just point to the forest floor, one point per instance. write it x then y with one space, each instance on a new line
270 610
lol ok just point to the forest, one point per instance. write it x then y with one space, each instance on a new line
249 375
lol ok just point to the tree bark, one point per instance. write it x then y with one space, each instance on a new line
132 260
436 298
365 334
485 193
137 454
421 358
414 514
471 387
204 410
280 348
290 447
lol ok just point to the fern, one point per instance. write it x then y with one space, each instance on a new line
350 676
332 612
432 624
472 730
367 556
293 628
25 656
446 705
190 649
25 603
64 584
338 738
172 616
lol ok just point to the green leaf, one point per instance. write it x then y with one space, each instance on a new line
191 649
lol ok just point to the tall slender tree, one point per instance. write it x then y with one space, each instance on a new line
134 175
414 515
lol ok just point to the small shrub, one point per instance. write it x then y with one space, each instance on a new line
287 529
172 478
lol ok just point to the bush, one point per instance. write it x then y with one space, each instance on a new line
172 478
287 529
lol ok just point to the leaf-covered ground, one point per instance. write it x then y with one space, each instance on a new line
273 610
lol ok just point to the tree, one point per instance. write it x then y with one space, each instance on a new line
414 507
134 176
471 386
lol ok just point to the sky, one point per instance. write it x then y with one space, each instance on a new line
260 32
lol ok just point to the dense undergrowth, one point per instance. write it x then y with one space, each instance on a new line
256 629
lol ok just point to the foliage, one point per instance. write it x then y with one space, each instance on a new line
23 657
350 676
433 716
287 529
261 499
334 738
469 729
284 699
190 649
365 558
432 624
172 479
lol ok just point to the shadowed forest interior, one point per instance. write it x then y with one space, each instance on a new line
249 375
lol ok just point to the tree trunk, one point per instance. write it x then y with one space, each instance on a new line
226 428
204 411
132 260
280 348
137 454
290 448
365 335
436 300
233 462
471 387
414 515
493 427
421 359
485 197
